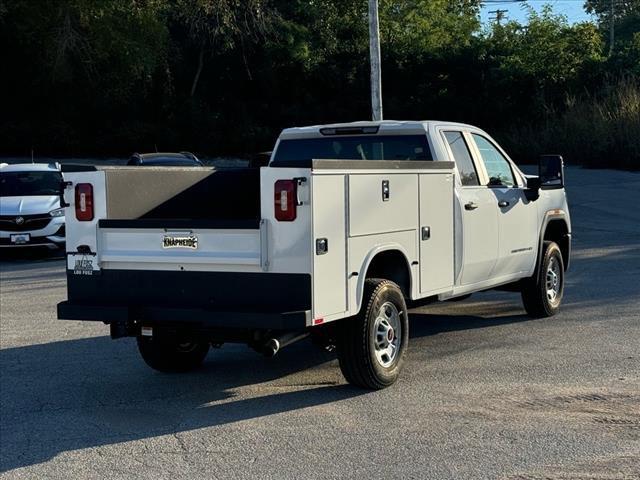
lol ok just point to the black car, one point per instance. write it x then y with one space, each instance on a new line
182 159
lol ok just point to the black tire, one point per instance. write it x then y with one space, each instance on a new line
358 336
537 301
172 355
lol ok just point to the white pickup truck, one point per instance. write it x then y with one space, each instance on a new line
346 226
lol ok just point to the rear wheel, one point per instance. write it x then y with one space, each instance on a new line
172 354
372 345
542 293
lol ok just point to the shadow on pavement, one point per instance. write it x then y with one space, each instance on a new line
425 325
83 393
18 259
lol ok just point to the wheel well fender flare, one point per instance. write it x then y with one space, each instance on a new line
369 259
555 217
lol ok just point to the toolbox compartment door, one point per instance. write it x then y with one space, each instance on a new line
381 203
436 233
329 246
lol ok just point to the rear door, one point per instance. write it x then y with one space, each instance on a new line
478 211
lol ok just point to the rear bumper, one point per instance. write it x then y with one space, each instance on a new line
186 317
190 299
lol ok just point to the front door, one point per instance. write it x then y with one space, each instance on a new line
518 232
516 215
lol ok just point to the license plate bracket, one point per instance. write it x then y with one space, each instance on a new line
20 238
82 264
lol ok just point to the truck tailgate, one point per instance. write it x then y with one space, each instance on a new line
170 245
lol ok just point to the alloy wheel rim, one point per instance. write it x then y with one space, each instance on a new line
553 280
387 332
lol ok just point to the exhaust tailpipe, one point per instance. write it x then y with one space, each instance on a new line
273 345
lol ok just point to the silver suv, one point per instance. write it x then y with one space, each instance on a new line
30 213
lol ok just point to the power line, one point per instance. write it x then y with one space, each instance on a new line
499 15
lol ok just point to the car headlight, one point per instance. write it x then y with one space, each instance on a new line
58 212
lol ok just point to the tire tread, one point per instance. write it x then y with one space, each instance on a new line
532 289
353 341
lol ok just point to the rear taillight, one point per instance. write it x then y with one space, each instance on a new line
285 202
84 202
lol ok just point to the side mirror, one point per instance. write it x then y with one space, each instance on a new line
533 189
533 183
551 171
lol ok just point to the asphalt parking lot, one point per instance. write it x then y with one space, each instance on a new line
486 393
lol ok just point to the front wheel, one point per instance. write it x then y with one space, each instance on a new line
172 354
372 345
542 293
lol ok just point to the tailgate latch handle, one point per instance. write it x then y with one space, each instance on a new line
299 181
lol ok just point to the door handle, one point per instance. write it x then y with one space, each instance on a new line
471 206
503 203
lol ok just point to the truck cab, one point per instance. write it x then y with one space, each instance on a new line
346 225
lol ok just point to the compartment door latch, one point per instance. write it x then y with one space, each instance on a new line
385 190
322 246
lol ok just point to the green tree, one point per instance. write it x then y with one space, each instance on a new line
437 27
218 25
547 48
620 19
621 8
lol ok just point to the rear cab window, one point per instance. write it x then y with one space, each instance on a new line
300 152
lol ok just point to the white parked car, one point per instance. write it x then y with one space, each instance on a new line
346 226
30 211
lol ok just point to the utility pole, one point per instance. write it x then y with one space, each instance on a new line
374 54
500 15
612 27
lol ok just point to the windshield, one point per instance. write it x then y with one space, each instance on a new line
19 184
366 147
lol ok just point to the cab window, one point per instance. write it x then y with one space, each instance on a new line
497 166
300 152
462 157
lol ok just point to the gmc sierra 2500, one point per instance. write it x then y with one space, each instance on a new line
346 225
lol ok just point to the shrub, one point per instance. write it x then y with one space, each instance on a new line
599 131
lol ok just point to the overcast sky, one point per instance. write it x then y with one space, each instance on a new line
573 9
